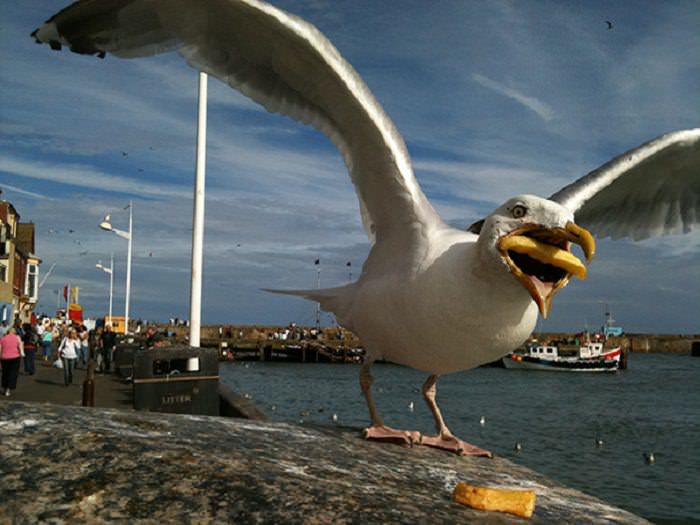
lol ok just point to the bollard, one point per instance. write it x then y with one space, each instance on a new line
89 385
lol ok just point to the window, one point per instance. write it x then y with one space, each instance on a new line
3 273
32 289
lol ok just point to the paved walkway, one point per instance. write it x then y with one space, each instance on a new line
46 386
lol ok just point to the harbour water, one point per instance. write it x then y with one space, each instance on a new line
653 406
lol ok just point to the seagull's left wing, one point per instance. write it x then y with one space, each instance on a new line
280 61
648 191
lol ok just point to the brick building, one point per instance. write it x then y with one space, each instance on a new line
19 266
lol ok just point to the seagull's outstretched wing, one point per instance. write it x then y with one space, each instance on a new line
280 61
651 190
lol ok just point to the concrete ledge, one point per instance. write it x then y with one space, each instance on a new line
60 464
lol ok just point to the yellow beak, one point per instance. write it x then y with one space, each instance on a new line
543 260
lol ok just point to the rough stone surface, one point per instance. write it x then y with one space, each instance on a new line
61 464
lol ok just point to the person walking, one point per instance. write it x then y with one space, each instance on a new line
30 339
68 352
109 341
11 352
46 339
83 335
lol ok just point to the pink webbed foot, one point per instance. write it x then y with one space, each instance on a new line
454 444
383 433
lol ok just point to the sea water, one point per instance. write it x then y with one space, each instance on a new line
559 419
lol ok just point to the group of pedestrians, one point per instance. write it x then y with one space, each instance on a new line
73 345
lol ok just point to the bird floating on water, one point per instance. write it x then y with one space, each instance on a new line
599 442
649 458
518 446
429 296
482 420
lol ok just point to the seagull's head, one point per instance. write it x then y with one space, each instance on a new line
533 238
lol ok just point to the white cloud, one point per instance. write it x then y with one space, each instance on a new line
541 109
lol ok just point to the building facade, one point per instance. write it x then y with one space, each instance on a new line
19 266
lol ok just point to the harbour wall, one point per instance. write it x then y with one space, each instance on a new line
643 343
67 464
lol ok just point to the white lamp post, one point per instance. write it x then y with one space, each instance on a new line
198 216
107 226
110 271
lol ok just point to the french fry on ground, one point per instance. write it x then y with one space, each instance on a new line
518 502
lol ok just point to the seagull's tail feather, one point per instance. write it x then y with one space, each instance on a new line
336 300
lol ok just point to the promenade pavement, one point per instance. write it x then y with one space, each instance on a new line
46 386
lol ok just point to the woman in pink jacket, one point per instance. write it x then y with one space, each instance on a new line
10 355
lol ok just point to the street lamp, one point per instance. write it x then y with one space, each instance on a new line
110 271
107 226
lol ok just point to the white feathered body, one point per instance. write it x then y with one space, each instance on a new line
471 311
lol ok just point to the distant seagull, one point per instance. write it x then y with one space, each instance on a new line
610 24
150 254
518 446
429 296
649 458
482 420
51 230
71 231
410 406
598 442
334 418
124 154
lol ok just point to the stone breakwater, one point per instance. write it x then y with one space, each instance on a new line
645 343
63 464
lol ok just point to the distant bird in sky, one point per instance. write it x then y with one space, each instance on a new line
429 296
610 24
124 154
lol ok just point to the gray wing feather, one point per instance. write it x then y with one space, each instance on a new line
280 61
648 191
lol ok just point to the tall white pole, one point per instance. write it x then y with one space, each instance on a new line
198 216
111 284
318 305
128 268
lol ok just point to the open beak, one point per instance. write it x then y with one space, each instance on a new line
541 258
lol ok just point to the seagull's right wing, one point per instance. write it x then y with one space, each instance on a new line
651 190
281 62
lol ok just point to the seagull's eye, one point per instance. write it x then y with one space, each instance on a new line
519 211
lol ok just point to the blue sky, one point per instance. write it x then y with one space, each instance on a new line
493 99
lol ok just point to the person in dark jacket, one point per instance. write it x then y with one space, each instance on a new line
30 339
109 341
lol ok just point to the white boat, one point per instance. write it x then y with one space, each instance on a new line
591 356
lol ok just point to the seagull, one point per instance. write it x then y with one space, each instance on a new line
430 296
610 24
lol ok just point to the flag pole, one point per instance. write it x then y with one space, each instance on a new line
198 216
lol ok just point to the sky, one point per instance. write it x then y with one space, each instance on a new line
493 99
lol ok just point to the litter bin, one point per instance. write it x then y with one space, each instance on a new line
124 358
181 380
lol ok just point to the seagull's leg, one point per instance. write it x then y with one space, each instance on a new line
378 430
445 439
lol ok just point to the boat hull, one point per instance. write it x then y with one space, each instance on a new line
608 363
